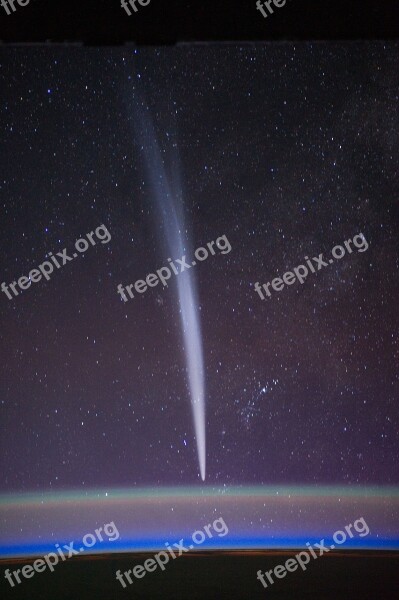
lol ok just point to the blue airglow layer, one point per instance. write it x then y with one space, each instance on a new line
146 545
257 518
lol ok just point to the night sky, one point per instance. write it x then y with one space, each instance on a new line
285 149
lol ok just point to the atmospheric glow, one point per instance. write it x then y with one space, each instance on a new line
281 517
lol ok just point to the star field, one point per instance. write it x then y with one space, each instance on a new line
287 150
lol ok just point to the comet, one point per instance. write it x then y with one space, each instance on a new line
168 200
